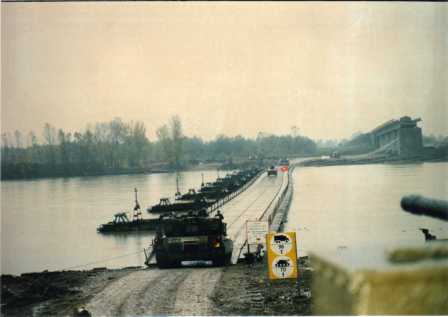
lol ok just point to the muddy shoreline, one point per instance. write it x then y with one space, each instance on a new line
246 290
242 289
54 293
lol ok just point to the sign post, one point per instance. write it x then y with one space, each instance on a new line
282 255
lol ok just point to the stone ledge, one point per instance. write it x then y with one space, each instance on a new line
416 288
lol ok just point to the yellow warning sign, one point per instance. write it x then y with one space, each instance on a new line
282 255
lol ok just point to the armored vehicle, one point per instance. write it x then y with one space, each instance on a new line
192 237
272 171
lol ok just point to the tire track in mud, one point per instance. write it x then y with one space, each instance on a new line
113 298
182 291
146 292
158 295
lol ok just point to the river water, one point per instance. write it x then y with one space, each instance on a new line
338 208
50 224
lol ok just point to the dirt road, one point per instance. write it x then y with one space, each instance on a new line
181 291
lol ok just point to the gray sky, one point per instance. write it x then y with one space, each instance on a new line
329 69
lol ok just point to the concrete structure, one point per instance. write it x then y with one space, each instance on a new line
410 281
403 134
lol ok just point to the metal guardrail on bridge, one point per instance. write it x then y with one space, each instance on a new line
221 202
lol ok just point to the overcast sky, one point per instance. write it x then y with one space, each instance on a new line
329 69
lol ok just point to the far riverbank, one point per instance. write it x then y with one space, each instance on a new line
364 161
15 173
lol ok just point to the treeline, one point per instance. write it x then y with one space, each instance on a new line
122 147
100 149
439 141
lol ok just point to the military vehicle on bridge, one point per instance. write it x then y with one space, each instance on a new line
192 237
272 171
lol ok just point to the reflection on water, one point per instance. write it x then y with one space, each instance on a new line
51 223
356 207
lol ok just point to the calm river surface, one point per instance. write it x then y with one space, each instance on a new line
340 208
51 224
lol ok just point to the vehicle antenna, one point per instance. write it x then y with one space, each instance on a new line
137 212
177 185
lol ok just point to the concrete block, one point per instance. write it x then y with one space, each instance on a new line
376 282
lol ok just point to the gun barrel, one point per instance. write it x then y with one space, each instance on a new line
419 205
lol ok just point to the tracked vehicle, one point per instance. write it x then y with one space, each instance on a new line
272 171
192 237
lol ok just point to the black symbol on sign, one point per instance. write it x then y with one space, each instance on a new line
282 265
280 239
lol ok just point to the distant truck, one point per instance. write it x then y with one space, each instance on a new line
192 237
272 171
283 162
335 155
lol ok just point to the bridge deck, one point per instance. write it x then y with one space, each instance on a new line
250 205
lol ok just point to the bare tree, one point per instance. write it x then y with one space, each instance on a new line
49 134
177 140
295 131
63 149
6 140
31 139
6 147
163 135
18 139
